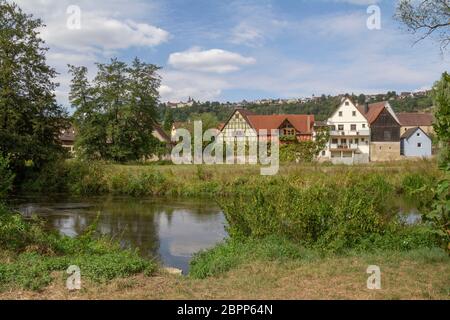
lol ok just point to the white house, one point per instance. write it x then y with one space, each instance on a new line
349 136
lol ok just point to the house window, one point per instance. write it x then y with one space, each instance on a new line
387 135
289 132
343 141
356 141
340 113
334 141
364 125
419 145
333 128
418 134
347 103
323 153
341 127
354 113
353 127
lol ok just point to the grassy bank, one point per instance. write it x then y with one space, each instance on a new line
29 255
417 274
203 181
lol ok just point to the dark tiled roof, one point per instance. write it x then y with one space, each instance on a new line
408 133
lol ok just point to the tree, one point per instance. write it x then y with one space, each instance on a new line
115 115
168 120
426 18
441 99
30 118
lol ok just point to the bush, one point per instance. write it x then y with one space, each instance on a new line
6 177
329 215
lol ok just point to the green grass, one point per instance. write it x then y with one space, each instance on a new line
29 255
233 254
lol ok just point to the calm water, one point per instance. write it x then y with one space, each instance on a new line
170 230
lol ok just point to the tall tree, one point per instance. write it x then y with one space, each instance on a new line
426 18
441 99
30 118
115 115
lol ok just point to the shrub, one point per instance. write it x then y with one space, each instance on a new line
6 176
330 215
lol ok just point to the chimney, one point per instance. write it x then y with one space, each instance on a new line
366 107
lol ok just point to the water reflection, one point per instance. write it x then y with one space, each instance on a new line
170 230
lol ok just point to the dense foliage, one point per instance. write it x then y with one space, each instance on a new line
30 118
6 177
29 254
356 211
115 115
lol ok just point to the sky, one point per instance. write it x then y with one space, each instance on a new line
242 49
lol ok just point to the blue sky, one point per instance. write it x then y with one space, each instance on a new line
243 49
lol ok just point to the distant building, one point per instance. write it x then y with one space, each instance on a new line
67 139
384 131
349 136
179 105
246 124
415 119
416 143
160 134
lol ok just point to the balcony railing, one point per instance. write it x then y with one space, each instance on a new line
344 147
343 133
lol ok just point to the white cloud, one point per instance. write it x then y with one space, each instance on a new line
102 34
179 85
106 28
213 60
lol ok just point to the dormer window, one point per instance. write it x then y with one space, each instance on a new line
354 113
347 103
340 113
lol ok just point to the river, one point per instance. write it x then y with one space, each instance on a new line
169 230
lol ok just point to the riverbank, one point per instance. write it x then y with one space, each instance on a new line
291 235
419 274
91 178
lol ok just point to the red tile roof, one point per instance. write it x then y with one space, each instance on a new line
374 111
268 122
415 119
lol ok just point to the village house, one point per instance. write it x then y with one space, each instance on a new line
416 143
384 131
67 139
415 119
245 124
349 136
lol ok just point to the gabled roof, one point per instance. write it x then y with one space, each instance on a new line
375 109
160 134
410 132
269 122
302 123
341 104
416 119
